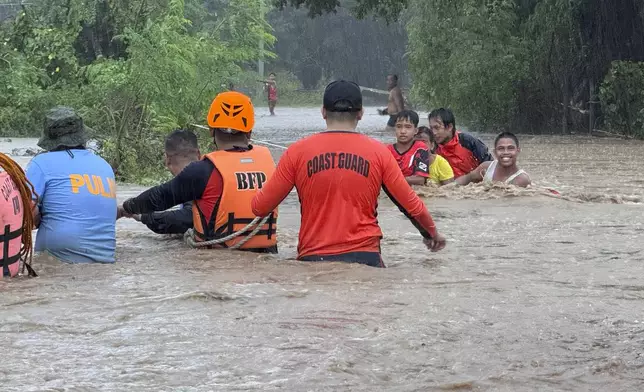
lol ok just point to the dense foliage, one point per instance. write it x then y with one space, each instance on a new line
386 9
133 69
622 97
526 65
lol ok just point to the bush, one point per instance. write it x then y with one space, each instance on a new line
162 75
622 98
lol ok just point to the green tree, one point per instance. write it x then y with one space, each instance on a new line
387 9
134 70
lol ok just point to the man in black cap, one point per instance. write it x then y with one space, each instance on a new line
338 174
77 193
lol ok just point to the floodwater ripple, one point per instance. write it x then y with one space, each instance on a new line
536 291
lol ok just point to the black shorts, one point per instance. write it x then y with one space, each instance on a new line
372 259
392 121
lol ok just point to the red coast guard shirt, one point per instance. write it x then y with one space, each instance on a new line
414 161
338 176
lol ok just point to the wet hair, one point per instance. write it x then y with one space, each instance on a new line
27 194
430 135
506 135
408 115
394 77
428 132
445 115
181 142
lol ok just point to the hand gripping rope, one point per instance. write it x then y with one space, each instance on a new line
258 222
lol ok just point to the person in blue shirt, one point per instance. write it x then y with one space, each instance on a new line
77 207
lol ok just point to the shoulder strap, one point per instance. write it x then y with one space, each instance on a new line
489 172
515 175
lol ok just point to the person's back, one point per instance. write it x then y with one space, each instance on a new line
338 175
348 195
77 207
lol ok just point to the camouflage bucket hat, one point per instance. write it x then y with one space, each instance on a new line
63 128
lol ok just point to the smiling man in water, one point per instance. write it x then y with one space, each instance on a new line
504 168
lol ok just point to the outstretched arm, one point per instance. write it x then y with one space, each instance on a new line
406 199
169 222
445 182
276 188
416 180
475 175
187 186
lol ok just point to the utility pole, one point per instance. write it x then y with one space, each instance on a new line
260 62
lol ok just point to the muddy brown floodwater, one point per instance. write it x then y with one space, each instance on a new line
533 293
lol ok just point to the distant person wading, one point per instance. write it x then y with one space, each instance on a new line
270 86
395 104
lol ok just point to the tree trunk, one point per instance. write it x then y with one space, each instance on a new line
591 106
566 100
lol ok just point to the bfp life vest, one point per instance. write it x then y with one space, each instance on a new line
11 210
460 158
243 173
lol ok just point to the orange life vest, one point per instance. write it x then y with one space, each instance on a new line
243 174
11 210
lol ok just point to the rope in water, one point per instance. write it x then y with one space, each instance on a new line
258 222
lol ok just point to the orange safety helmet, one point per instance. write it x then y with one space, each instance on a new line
232 110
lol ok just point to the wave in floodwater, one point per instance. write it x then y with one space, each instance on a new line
535 291
485 191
